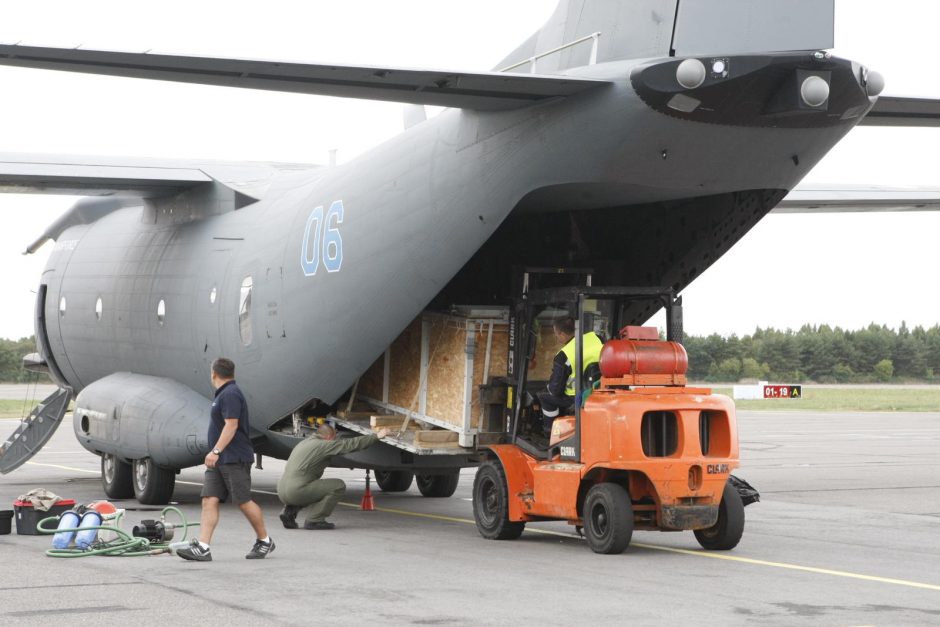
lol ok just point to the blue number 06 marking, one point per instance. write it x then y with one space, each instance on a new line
329 247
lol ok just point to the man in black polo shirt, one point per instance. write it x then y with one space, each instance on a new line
228 467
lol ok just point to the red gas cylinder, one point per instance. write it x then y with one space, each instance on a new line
621 358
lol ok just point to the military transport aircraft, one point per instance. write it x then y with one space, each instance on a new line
641 138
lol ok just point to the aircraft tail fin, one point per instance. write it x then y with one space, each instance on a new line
584 32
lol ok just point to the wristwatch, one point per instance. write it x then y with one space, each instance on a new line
216 451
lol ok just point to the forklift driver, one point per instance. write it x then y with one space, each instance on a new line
559 398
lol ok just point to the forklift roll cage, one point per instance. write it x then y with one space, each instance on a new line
573 299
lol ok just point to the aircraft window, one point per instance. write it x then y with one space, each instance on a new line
212 295
98 308
244 311
161 312
62 306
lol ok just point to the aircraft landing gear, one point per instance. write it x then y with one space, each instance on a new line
152 485
437 486
116 477
394 480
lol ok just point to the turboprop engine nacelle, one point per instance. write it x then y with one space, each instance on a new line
133 416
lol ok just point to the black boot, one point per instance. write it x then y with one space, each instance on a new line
288 516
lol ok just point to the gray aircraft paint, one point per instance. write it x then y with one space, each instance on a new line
416 209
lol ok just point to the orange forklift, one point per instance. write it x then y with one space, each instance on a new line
641 450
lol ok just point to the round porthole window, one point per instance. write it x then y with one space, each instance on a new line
161 312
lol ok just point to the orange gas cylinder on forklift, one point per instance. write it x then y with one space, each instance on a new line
643 451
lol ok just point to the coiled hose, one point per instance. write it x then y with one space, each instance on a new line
124 546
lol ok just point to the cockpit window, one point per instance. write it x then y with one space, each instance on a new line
244 311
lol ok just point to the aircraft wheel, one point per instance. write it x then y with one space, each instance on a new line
394 480
491 504
438 486
608 518
725 534
116 478
152 485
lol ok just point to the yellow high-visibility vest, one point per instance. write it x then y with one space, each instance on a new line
591 355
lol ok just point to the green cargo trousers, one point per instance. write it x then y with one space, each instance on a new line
321 496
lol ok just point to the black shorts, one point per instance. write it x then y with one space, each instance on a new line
228 480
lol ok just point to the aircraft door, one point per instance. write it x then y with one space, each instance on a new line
241 312
42 337
208 325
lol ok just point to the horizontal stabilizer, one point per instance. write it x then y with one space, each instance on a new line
858 198
487 91
896 111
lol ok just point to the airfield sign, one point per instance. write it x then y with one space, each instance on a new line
783 391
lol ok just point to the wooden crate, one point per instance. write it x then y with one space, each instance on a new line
433 370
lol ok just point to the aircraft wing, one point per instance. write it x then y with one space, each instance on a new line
116 182
130 177
897 111
491 91
858 199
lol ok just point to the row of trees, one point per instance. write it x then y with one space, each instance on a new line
818 353
822 354
11 359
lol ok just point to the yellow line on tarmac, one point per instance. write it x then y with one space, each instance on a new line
732 558
711 555
805 569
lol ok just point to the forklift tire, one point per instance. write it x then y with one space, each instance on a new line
438 486
608 518
117 479
725 534
394 480
491 504
152 485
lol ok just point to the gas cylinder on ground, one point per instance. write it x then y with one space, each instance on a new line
68 520
86 536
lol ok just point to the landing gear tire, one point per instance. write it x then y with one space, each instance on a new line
725 534
117 478
608 518
438 486
491 504
394 480
152 485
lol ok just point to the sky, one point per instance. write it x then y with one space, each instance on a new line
839 269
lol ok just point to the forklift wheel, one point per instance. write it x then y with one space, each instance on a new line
608 518
491 504
725 534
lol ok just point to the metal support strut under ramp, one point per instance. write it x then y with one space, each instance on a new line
34 431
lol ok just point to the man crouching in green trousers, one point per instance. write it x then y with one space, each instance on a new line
301 484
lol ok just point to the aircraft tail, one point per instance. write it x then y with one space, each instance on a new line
583 32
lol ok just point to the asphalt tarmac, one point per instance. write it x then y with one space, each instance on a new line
847 533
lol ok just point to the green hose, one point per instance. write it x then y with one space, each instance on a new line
124 546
